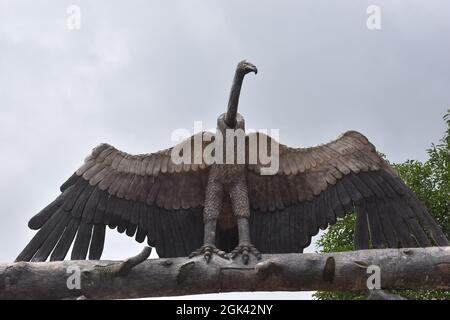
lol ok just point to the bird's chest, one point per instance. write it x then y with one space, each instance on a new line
228 174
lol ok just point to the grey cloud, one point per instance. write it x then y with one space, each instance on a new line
139 69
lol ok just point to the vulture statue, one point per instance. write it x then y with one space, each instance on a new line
199 208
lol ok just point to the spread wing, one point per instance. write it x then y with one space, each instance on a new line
146 196
315 186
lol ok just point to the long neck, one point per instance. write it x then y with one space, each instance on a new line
233 101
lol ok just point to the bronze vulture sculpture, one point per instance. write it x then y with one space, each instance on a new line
211 208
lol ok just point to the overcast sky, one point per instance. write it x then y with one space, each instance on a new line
137 70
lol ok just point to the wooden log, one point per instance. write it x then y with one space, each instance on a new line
418 268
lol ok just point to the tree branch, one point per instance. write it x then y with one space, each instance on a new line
136 277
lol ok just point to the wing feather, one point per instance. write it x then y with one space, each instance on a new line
317 185
133 193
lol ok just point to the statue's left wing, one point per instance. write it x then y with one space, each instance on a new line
314 186
146 196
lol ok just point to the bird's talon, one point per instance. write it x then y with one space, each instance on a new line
245 250
222 254
207 251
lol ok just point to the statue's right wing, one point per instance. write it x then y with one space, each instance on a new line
146 196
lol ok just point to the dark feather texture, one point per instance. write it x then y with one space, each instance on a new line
148 196
346 175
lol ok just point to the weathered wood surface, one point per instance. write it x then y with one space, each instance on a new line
418 268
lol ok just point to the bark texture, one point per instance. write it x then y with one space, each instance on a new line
417 268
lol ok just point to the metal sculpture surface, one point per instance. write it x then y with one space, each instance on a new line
204 208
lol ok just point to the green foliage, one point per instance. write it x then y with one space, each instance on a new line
431 183
339 237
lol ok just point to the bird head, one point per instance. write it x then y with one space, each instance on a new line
246 67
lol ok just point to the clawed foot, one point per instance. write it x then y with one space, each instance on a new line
207 251
245 249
